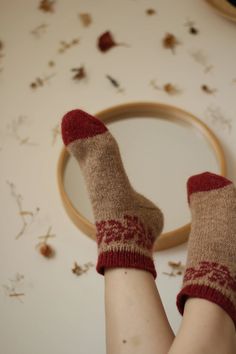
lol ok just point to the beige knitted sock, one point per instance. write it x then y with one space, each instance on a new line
211 262
127 223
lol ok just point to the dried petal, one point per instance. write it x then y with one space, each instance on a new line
106 41
79 73
170 41
150 12
86 19
47 5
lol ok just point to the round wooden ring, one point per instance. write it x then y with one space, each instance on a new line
168 239
224 8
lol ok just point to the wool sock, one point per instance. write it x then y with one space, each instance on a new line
211 262
127 223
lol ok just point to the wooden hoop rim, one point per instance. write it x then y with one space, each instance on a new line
166 240
224 8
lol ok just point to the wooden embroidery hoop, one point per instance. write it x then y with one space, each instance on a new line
168 239
224 8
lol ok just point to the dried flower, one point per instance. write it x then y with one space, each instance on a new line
208 90
78 270
170 41
150 12
45 249
168 88
80 73
191 27
51 63
106 41
47 5
86 19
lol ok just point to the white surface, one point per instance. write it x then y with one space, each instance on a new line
61 313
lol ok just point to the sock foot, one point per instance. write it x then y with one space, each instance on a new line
211 262
127 223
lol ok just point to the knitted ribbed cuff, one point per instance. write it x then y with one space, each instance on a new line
124 259
207 293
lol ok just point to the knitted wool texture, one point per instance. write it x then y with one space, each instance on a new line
211 262
127 223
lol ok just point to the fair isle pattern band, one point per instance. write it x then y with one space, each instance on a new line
211 281
124 243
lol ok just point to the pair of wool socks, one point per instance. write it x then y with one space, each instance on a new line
128 224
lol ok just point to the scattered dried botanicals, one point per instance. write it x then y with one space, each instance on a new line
201 59
27 217
79 270
170 42
39 82
39 30
208 89
44 248
115 83
86 19
55 132
168 88
216 117
80 73
47 5
150 12
191 27
106 42
15 287
67 45
177 268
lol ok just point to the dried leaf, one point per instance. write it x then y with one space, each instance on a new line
208 89
47 5
80 73
170 41
150 12
86 19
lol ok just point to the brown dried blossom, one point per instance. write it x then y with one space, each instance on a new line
44 248
79 73
79 270
27 217
191 27
86 19
210 91
169 88
64 46
150 12
47 5
170 42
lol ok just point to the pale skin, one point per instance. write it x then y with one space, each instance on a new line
136 322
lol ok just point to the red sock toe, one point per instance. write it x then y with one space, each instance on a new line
205 182
78 124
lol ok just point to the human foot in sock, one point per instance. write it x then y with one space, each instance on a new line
211 262
127 223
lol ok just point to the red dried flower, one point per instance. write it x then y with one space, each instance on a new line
106 41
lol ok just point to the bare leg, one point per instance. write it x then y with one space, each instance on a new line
206 329
135 318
